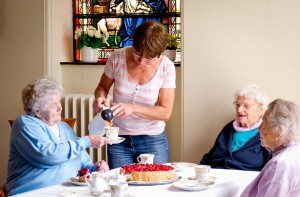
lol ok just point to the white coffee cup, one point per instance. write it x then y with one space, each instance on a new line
118 189
202 172
145 158
112 133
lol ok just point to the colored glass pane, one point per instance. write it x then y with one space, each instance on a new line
117 19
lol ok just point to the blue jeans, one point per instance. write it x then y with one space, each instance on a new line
127 151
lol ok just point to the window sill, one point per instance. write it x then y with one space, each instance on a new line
177 64
82 63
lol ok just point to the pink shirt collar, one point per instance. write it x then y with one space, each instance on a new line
236 125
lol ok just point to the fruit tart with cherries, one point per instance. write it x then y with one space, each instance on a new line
84 173
148 172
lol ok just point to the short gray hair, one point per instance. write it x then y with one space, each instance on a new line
284 119
255 92
35 96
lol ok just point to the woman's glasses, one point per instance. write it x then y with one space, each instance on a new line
140 58
245 106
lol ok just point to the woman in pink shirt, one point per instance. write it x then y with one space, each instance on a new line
280 134
143 95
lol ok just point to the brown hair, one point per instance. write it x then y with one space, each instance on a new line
149 39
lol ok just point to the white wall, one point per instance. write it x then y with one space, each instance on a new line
233 42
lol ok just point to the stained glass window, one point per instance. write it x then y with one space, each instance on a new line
117 19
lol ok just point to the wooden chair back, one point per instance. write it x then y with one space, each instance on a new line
2 191
11 122
69 121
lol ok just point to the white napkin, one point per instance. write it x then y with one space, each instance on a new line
97 125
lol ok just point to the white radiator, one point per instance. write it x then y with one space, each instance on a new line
80 106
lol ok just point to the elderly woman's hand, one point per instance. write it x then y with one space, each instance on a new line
98 141
101 166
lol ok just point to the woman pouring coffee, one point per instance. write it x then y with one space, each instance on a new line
143 95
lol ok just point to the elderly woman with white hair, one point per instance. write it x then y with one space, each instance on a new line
280 134
44 150
238 144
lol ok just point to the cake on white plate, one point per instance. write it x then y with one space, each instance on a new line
148 172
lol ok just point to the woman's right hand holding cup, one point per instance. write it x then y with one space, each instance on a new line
98 141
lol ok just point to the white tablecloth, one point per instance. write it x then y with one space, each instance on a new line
229 183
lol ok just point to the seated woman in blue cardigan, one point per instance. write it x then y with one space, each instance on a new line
44 150
238 145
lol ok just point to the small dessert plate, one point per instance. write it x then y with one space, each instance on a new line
119 140
75 181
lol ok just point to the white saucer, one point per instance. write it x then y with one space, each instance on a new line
119 140
182 166
192 185
211 178
75 181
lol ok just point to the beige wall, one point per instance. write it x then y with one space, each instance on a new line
22 59
231 43
59 33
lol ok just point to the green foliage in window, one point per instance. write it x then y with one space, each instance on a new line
172 42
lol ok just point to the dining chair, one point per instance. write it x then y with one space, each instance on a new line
69 121
2 191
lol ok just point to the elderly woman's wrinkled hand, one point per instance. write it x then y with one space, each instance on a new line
101 166
98 141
